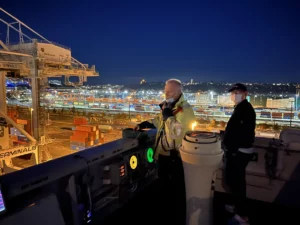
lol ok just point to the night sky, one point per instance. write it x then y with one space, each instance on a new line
205 40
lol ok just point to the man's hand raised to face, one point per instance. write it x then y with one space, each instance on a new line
167 111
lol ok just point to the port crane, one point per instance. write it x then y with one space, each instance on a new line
36 58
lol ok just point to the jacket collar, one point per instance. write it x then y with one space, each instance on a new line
176 103
179 101
241 103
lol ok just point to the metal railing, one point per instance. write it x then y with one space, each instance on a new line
39 41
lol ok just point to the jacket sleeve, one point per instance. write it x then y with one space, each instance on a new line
247 137
156 121
185 118
233 131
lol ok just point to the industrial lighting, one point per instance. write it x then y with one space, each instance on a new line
194 125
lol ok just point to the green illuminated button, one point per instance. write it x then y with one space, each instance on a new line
150 154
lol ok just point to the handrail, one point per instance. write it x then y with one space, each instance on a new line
15 53
40 41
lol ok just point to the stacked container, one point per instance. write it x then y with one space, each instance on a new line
17 137
25 124
12 113
80 121
85 136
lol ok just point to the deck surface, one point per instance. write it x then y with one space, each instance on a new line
146 206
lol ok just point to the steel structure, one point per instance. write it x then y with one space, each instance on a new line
28 59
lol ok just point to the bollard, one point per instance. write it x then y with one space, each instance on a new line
201 155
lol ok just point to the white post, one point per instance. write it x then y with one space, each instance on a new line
202 155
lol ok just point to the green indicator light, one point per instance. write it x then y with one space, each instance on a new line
150 153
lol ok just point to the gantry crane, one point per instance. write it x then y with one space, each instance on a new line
36 59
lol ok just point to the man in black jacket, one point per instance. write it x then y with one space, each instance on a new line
238 139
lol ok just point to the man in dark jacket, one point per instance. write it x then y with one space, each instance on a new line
238 140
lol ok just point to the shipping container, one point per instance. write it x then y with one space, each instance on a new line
228 113
276 115
218 113
265 114
105 128
288 115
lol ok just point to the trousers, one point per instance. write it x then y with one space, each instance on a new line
171 176
235 178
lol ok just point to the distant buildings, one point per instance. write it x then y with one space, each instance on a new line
224 100
280 103
203 99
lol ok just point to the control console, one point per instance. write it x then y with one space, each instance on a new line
81 188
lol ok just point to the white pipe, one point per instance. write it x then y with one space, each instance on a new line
201 156
17 126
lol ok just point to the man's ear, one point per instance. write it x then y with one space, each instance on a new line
178 94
